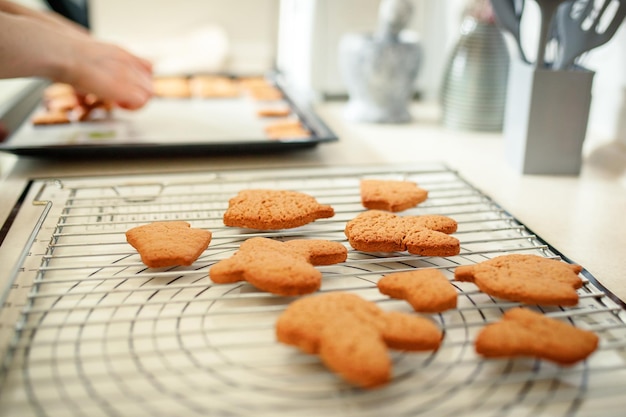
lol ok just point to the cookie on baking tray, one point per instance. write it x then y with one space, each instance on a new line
391 195
286 129
168 243
46 118
381 231
171 87
427 290
282 268
529 279
352 335
525 333
63 105
273 112
274 209
213 86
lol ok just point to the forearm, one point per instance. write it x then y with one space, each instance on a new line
48 17
28 48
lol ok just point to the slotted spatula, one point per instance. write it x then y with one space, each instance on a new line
575 40
509 15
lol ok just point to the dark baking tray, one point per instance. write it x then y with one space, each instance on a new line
165 127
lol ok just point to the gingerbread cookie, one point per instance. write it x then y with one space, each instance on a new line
529 279
64 105
274 209
171 87
391 195
352 335
523 332
162 244
273 112
286 129
56 90
50 118
265 92
213 86
380 231
282 268
427 290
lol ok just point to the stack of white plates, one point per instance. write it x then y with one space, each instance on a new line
475 82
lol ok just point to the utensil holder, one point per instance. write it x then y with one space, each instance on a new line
545 121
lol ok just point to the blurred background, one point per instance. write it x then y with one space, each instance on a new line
301 37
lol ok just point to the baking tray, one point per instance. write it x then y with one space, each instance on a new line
168 126
87 329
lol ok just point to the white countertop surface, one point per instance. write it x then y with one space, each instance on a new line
581 216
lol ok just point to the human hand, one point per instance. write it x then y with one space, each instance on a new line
108 71
36 44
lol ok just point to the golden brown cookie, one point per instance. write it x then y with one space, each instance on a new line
352 335
62 103
529 279
171 87
273 112
213 86
523 332
265 92
427 290
274 209
282 268
171 243
55 90
391 195
286 129
380 231
50 118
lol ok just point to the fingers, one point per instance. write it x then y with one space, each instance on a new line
115 75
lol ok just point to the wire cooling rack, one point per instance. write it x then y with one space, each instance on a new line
90 331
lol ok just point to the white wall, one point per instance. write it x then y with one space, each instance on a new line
251 25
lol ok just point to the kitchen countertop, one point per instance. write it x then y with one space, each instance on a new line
581 216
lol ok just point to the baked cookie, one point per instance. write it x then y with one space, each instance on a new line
274 209
264 92
56 90
286 129
282 268
50 118
273 112
529 279
171 243
171 87
523 332
427 290
391 195
213 86
352 335
380 231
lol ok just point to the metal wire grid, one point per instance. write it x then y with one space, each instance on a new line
99 334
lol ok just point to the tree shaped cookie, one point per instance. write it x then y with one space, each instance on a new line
391 195
282 268
162 244
352 335
274 209
427 290
529 279
523 332
380 231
